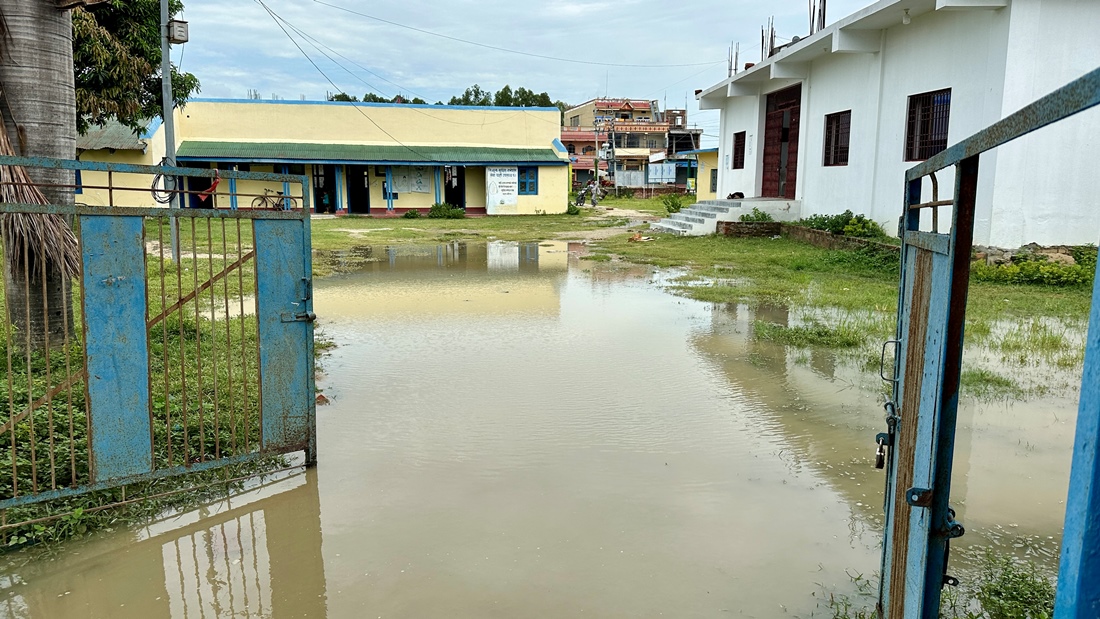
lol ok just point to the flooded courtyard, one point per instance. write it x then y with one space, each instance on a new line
516 432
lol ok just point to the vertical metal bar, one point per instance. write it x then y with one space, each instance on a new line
184 412
9 343
30 379
229 350
49 377
110 188
148 339
311 402
1078 594
214 332
164 344
233 194
259 365
198 340
69 381
246 378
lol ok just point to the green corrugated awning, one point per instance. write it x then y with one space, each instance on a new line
296 152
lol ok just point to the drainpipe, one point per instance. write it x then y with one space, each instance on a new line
438 182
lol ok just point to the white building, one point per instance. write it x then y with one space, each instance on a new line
832 121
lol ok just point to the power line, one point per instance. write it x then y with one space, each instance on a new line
277 18
315 42
513 51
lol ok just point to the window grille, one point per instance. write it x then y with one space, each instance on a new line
926 126
837 131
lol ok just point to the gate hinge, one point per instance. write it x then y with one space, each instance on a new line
919 497
297 317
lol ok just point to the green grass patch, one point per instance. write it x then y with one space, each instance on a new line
986 384
813 334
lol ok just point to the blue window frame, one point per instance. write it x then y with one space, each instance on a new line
79 183
528 181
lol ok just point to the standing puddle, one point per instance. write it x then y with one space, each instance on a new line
516 432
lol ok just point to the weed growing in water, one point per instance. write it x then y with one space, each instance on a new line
813 334
1003 588
983 383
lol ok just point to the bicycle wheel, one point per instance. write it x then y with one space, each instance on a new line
259 202
290 204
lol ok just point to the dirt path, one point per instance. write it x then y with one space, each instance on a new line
634 219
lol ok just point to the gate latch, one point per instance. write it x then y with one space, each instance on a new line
297 317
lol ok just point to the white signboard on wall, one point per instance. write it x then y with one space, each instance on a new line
501 190
407 179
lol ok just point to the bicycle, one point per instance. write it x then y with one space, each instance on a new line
274 200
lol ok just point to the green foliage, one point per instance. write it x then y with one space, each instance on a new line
1003 588
1085 256
1035 269
343 96
412 214
506 97
116 57
572 209
673 202
845 223
757 215
864 228
445 211
1009 589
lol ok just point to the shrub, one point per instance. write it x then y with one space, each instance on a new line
445 211
828 223
756 215
412 214
1033 269
865 228
1085 255
1008 589
673 203
572 209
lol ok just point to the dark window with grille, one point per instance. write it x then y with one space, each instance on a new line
739 150
837 128
926 126
714 181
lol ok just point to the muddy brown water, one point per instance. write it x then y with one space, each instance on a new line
516 433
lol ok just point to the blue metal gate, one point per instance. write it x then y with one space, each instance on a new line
184 343
918 446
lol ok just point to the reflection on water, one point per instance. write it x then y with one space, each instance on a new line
258 555
517 433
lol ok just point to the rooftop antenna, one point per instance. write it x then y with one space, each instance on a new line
821 15
736 56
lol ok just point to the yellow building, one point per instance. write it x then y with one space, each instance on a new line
362 158
706 177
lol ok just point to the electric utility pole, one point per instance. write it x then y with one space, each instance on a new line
168 114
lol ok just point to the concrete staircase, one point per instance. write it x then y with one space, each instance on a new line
702 217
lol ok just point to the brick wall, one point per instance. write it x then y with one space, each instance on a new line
828 240
749 228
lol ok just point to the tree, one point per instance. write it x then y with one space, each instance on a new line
116 50
474 95
36 84
503 98
342 96
116 55
370 97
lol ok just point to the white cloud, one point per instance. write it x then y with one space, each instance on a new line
237 46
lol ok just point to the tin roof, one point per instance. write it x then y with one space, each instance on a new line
111 135
362 153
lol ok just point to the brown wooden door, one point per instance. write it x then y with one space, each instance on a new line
780 159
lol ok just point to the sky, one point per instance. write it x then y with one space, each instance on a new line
236 46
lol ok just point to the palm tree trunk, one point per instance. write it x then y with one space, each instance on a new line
36 83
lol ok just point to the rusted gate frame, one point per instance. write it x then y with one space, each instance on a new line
1078 595
299 307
